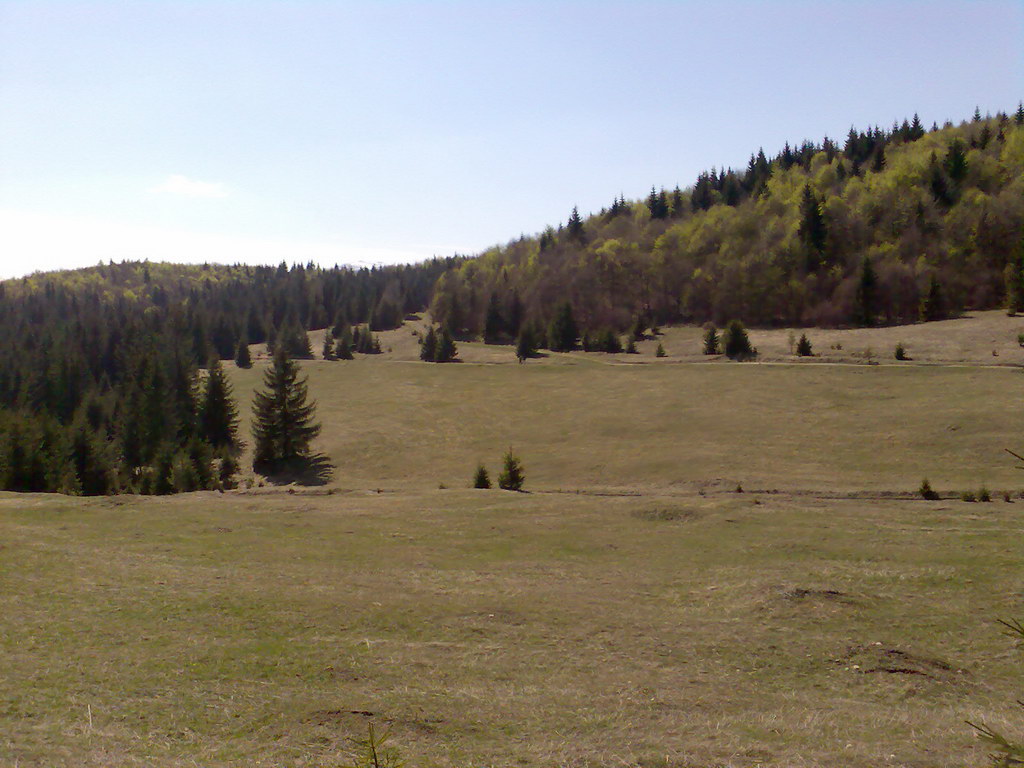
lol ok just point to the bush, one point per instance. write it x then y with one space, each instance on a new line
512 476
1020 339
901 352
803 347
926 491
984 495
660 352
968 496
481 479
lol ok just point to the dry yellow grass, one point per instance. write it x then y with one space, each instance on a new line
632 610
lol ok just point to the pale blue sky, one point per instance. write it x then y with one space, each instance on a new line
391 131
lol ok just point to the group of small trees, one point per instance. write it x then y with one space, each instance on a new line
511 478
438 347
734 343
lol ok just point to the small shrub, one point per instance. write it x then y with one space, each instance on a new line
968 496
631 347
1020 339
1007 498
901 352
481 479
512 475
803 347
660 352
926 491
984 495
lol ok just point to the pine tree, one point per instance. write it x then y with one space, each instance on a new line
865 302
812 231
564 333
242 358
480 478
494 323
428 346
575 226
711 346
283 422
446 350
525 345
803 347
343 349
327 351
956 161
735 341
931 303
512 475
660 351
1013 278
218 417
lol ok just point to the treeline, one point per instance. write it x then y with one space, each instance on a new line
110 380
887 226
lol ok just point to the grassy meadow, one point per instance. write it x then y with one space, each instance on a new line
632 609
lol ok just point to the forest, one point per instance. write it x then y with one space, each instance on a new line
888 226
111 380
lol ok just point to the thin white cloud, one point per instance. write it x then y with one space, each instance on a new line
182 186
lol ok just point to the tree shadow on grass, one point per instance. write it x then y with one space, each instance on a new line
315 469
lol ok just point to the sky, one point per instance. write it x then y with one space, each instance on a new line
386 132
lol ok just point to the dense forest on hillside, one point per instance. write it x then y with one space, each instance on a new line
110 381
101 389
887 226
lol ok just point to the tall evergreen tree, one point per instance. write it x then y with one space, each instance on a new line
575 226
812 231
494 323
864 310
428 346
242 358
218 416
446 349
283 423
564 333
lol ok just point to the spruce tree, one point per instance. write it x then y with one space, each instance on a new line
575 226
711 345
564 334
803 347
494 323
865 300
931 302
242 358
480 478
512 475
1013 278
283 423
525 345
812 230
428 346
735 341
343 349
218 417
328 348
446 350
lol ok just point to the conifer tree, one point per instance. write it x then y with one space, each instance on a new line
343 349
1013 278
446 350
494 323
525 345
803 347
480 478
865 301
564 333
218 417
931 302
242 358
428 346
711 345
283 423
328 348
512 475
735 341
812 230
575 226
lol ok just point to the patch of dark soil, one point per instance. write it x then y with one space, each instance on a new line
334 716
880 659
802 593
